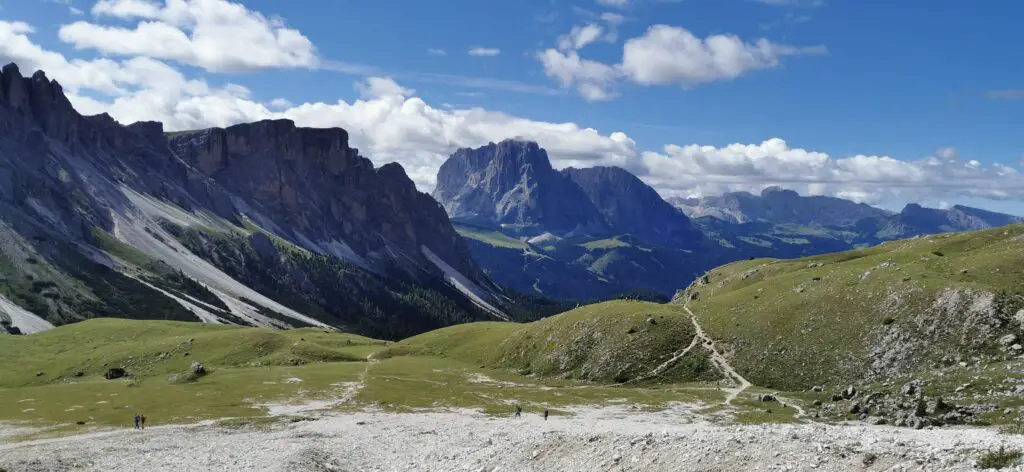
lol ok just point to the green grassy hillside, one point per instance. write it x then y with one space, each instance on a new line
146 348
897 308
57 377
613 341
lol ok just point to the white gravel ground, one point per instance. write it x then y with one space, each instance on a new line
593 440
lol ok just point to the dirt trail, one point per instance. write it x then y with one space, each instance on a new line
723 363
719 360
664 366
353 388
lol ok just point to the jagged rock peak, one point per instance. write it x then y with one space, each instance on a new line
512 183
36 95
512 152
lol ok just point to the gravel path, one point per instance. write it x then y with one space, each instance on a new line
605 439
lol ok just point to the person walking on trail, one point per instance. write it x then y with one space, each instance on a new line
519 410
143 421
545 414
137 420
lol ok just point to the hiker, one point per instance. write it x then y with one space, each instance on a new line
519 410
137 419
143 420
545 414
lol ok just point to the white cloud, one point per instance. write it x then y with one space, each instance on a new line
707 170
612 18
75 11
614 3
437 52
664 55
101 75
381 87
484 52
281 103
594 80
216 35
580 36
671 55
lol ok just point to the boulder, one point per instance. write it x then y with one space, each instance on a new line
198 368
114 373
850 392
1008 340
912 388
765 397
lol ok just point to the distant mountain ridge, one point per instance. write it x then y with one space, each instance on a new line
778 206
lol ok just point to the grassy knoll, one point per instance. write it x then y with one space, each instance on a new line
902 307
606 342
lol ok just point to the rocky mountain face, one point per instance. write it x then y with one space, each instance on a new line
261 224
512 184
310 186
779 206
630 206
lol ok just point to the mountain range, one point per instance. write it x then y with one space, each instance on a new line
263 224
600 232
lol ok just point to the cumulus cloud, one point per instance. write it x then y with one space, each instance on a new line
672 55
484 52
594 80
380 87
217 35
281 103
580 36
694 169
663 55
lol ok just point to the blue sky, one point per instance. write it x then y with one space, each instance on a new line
894 82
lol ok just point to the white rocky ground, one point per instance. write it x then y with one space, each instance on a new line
592 440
